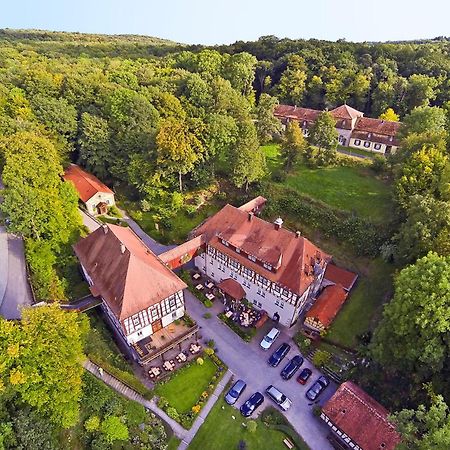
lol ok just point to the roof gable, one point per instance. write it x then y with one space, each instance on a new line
128 275
346 112
362 418
328 304
86 184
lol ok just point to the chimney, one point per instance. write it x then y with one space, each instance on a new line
105 228
298 234
250 216
122 248
278 222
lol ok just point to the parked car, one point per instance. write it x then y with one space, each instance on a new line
278 355
252 404
317 388
279 398
291 367
269 338
235 392
304 375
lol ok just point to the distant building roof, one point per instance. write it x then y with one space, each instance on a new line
337 275
377 130
346 112
293 259
362 418
85 183
322 313
254 205
232 288
296 113
124 272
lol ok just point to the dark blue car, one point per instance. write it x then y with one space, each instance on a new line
251 404
279 354
291 367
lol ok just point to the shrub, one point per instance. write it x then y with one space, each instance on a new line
114 211
251 426
163 403
200 361
207 315
304 343
172 413
191 210
317 410
279 176
379 164
211 343
137 215
208 303
135 413
320 358
209 351
114 430
92 423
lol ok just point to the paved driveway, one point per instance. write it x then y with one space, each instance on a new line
249 362
16 292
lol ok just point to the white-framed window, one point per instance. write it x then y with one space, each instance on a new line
377 146
224 242
211 261
263 294
174 315
366 144
202 256
259 305
267 266
238 250
357 142
212 274
251 258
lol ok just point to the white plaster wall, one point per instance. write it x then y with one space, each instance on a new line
371 148
345 134
166 320
97 198
288 313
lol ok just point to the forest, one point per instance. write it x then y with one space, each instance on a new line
158 120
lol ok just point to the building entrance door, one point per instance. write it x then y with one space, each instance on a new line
156 325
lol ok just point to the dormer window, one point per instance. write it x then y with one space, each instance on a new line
238 250
251 258
224 242
267 266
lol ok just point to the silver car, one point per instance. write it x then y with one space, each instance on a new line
235 392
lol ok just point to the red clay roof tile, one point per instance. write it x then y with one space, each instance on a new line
337 275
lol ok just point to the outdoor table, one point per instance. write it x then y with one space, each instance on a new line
209 285
228 314
199 287
196 276
210 296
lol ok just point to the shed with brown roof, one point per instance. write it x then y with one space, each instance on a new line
338 275
359 420
326 307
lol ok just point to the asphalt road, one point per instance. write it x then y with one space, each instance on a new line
17 291
249 362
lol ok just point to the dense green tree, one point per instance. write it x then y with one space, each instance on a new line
178 148
425 428
239 69
267 125
420 174
324 136
389 115
94 144
293 145
114 429
247 160
420 90
424 119
41 358
419 313
293 82
426 228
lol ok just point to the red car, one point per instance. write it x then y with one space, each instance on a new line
304 376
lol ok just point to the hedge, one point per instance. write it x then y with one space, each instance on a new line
363 235
243 334
125 377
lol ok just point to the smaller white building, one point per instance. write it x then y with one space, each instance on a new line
96 196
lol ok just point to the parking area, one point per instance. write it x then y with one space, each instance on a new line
248 361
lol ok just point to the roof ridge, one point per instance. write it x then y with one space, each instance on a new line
87 179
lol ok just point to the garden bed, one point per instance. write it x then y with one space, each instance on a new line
245 334
183 395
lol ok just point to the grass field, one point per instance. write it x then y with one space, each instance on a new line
363 307
187 384
221 432
349 188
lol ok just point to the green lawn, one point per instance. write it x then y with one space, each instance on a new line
187 384
348 188
221 432
364 305
173 443
357 151
272 156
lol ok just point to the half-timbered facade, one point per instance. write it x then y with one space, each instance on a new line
278 269
140 294
357 421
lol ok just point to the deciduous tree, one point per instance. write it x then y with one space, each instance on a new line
293 145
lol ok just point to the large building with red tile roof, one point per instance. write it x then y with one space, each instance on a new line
96 196
140 293
279 270
357 421
353 129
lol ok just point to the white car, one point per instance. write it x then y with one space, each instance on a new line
279 398
269 338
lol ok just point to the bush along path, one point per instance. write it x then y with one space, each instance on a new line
186 436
